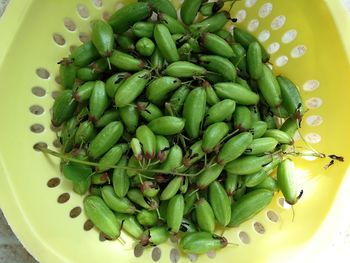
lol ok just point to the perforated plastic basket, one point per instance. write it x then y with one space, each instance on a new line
309 42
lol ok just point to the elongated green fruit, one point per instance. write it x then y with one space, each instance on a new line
290 126
137 197
269 183
147 140
149 111
205 215
125 17
220 203
158 89
85 133
178 98
131 88
174 26
248 164
130 117
261 145
231 183
189 10
125 42
175 212
184 69
112 157
174 159
102 37
269 88
145 46
143 29
120 180
84 54
105 139
287 181
201 242
167 125
98 102
162 148
242 119
258 129
249 205
239 57
121 205
236 92
102 217
254 60
221 111
194 111
219 65
234 147
164 6
130 225
68 73
107 117
63 108
147 218
213 135
212 23
245 38
209 175
165 43
126 62
83 93
212 98
279 135
171 189
216 45
194 154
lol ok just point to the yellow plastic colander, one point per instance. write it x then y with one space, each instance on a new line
309 43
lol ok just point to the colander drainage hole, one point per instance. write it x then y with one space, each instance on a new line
55 129
63 198
69 24
272 216
38 91
57 143
97 3
156 254
83 11
259 228
88 225
39 145
75 212
174 255
192 257
58 80
244 237
102 237
37 128
211 254
55 94
36 109
83 37
53 182
42 73
59 39
138 250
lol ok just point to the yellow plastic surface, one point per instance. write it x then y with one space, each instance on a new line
44 226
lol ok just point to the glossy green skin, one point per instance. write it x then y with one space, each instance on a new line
175 213
216 45
231 183
271 184
187 226
269 88
125 17
174 25
290 96
184 69
287 181
258 129
137 197
157 61
207 9
219 65
174 159
120 205
133 163
279 135
201 243
63 108
165 43
209 175
143 29
234 147
163 6
145 46
102 37
221 111
194 154
149 111
249 205
68 72
107 117
290 127
212 23
131 88
190 199
130 117
220 203
239 57
99 178
98 101
189 10
130 225
178 98
120 180
84 92
147 140
126 62
243 83
213 135
167 125
254 110
205 216
82 187
158 235
236 92
136 148
223 33
261 145
84 54
125 43
147 218
67 136
254 60
112 157
85 133
212 98
281 112
172 188
158 89
88 74
242 119
105 139
102 217
248 164
194 111
245 38
163 145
